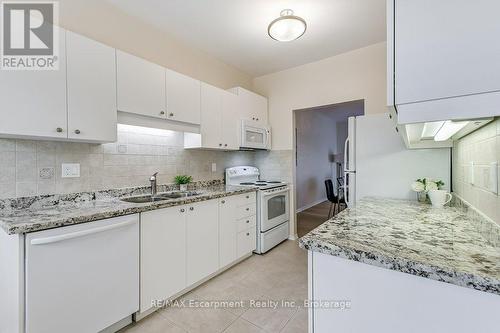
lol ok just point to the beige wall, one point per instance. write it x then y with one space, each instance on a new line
103 22
359 74
483 148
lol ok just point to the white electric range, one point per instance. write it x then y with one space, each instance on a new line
273 205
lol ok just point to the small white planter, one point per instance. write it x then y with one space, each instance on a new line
183 187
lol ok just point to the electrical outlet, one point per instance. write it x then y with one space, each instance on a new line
122 149
70 170
46 173
214 167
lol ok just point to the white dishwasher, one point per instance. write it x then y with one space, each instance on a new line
82 278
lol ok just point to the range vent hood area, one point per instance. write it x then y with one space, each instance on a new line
438 134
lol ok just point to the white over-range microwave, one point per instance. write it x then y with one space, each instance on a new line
254 135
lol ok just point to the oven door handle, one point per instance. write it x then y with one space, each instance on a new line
277 192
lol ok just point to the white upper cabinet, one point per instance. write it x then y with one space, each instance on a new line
211 116
183 97
443 59
219 121
251 106
230 126
140 86
33 102
91 84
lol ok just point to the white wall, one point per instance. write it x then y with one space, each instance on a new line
355 75
316 142
483 148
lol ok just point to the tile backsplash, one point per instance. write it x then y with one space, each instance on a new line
34 167
475 157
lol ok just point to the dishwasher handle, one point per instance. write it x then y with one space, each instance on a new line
77 234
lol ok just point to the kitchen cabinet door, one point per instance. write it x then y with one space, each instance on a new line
230 121
163 254
91 89
140 86
202 240
227 230
252 106
438 55
211 116
183 97
34 101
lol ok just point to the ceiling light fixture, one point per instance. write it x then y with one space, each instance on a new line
287 27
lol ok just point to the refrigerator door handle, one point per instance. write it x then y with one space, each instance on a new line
346 153
346 196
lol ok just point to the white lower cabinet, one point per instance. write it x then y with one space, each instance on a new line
82 278
236 227
246 242
202 236
163 255
227 230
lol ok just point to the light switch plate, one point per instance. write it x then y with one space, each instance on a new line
493 177
471 174
214 167
70 170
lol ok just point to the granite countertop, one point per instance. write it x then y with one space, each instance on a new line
440 244
24 215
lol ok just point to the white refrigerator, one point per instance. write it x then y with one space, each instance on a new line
377 163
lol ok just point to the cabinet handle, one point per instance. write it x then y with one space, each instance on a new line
248 197
220 144
191 208
223 201
248 209
248 234
225 145
162 112
77 131
248 221
257 119
253 118
171 114
59 130
182 210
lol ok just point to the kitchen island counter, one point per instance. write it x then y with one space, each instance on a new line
444 244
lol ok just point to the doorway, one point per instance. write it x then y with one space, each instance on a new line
320 134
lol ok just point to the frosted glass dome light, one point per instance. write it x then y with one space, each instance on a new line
287 27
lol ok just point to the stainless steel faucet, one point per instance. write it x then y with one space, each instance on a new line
152 179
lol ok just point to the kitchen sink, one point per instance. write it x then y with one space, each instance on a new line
160 196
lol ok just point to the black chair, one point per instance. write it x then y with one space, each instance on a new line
334 199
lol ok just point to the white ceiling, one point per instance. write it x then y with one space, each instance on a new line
235 31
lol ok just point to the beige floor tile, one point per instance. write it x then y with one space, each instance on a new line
280 274
269 319
154 323
243 326
206 320
298 323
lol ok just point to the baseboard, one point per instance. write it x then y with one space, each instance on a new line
310 205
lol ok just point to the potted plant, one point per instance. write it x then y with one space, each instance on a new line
183 181
424 185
